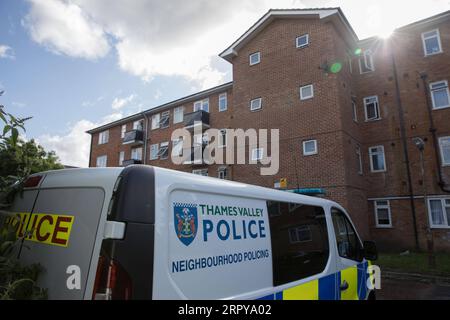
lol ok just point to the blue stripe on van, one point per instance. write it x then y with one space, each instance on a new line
279 295
328 287
362 279
268 297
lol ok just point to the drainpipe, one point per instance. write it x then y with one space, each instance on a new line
90 150
444 185
405 148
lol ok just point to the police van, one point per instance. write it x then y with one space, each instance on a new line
143 232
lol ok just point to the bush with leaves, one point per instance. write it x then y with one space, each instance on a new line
18 159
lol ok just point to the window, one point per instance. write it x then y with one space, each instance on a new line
222 173
255 58
223 138
163 150
300 234
371 108
431 42
444 146
138 125
154 150
348 243
178 114
439 210
366 62
440 94
165 119
299 241
101 161
201 172
309 147
306 92
223 104
201 105
350 65
354 111
123 130
382 214
177 147
359 164
121 157
302 41
103 137
155 121
257 154
136 154
256 104
377 159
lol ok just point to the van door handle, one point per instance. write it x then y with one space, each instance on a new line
344 286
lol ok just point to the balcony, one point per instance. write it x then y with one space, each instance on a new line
191 155
197 118
133 137
129 162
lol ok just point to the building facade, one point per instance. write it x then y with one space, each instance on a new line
349 113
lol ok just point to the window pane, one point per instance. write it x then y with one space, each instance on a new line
306 92
437 216
302 41
447 212
295 260
383 216
309 147
347 241
440 98
445 150
432 45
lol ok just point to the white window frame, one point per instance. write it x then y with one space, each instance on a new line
222 138
178 115
387 206
163 146
201 105
223 97
257 154
135 155
154 147
305 153
371 160
378 108
444 163
354 111
164 115
432 95
121 157
365 54
123 130
302 97
446 224
300 37
360 163
176 147
438 35
136 124
156 118
255 54
297 231
259 104
103 137
200 172
105 157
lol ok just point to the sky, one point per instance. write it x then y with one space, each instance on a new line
76 64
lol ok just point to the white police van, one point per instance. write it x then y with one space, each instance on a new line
144 232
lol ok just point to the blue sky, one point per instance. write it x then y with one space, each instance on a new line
75 64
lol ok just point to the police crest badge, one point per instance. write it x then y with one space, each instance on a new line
185 222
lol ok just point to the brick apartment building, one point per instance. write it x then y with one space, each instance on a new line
347 110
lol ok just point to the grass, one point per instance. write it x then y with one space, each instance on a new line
415 263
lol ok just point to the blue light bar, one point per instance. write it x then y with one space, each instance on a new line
308 191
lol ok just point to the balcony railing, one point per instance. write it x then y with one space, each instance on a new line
196 118
133 137
129 162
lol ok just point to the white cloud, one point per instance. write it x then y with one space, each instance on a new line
73 147
64 28
119 103
6 52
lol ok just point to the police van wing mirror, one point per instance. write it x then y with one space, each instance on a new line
370 251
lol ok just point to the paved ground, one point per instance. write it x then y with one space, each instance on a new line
411 289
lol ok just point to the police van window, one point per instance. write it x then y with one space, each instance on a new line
299 241
347 240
